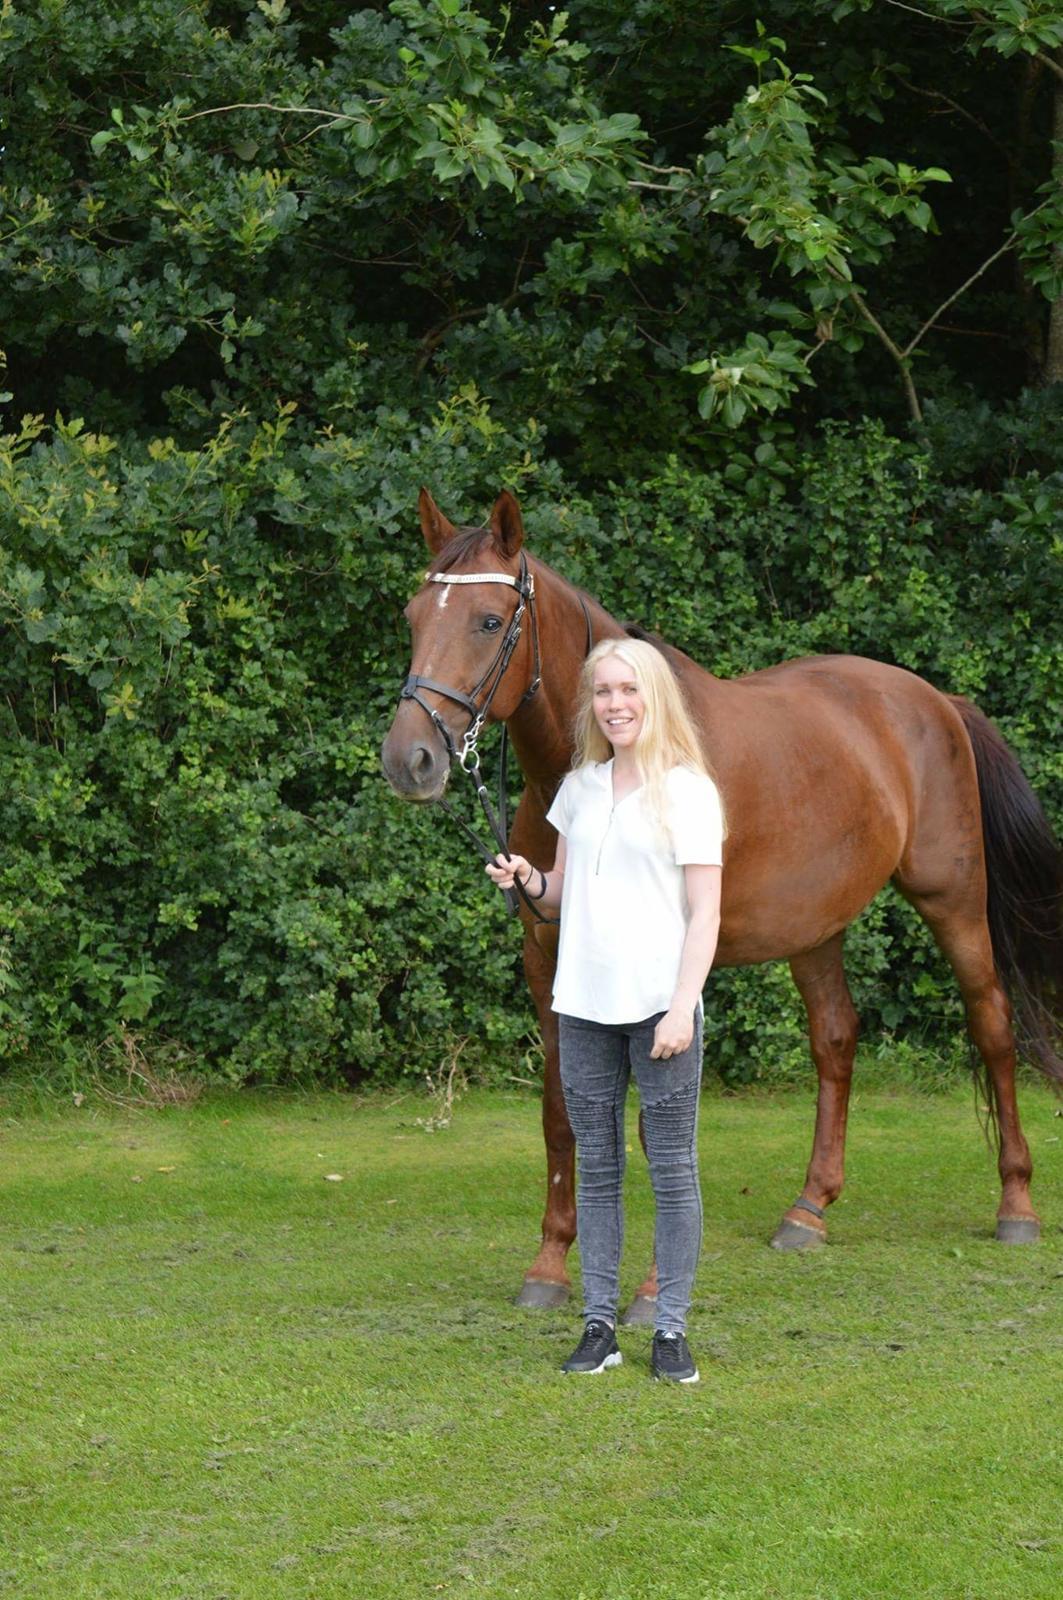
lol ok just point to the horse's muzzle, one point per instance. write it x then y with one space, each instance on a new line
415 769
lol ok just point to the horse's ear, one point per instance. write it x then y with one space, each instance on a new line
507 526
434 525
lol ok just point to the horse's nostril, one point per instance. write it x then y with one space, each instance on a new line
421 763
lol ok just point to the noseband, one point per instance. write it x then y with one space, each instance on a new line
488 685
524 583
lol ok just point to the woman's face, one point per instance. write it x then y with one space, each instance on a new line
619 709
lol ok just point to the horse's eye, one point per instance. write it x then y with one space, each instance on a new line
492 624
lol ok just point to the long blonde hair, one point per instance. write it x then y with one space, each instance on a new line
667 738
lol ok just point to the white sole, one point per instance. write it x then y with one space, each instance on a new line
615 1360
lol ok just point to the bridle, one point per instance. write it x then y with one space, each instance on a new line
524 583
467 756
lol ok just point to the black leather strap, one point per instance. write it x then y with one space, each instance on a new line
801 1204
413 683
497 823
544 888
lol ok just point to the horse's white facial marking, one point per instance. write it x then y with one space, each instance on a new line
444 595
557 1177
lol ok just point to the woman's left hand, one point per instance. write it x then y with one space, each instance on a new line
672 1034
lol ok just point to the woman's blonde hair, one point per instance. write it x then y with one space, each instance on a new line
667 738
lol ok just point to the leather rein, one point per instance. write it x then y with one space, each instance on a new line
467 756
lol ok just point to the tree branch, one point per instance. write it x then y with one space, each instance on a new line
902 355
899 355
648 166
1050 62
267 105
435 336
931 16
973 333
1046 61
944 306
960 111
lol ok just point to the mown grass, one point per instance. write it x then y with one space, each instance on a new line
235 1379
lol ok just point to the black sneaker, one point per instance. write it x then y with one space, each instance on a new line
597 1349
672 1360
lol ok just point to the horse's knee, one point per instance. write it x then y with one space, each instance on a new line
841 1041
833 1040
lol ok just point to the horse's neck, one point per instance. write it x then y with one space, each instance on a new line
542 745
541 729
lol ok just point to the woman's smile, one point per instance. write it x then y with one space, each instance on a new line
619 709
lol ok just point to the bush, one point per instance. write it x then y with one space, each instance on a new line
204 652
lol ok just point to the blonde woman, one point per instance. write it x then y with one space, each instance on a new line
637 877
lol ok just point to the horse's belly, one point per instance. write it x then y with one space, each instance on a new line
751 946
780 902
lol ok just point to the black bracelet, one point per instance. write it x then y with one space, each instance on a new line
544 888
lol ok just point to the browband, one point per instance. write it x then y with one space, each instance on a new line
479 577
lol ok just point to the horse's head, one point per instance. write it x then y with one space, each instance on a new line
473 645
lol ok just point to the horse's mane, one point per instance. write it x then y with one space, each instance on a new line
668 651
468 540
464 542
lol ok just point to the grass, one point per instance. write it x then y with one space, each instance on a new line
224 1377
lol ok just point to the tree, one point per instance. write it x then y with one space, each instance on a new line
454 180
266 270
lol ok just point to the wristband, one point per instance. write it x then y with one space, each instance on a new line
544 888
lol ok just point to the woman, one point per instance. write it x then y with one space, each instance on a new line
637 877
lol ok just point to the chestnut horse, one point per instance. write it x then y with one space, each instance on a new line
838 775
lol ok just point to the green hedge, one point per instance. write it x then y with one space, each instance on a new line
203 651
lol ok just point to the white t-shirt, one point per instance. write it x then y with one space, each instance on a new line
624 910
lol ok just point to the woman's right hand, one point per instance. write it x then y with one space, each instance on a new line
504 871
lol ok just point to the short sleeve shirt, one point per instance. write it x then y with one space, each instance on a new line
624 910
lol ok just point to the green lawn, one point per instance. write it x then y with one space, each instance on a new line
223 1377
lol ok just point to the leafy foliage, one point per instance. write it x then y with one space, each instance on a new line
200 839
266 271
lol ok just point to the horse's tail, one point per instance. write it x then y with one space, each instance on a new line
1024 868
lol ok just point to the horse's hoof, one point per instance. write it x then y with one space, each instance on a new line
796 1236
1018 1230
641 1313
536 1294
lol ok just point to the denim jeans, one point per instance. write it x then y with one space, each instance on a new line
597 1060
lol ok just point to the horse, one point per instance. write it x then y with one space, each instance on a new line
838 774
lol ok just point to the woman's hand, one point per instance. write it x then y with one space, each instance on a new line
505 872
672 1034
675 1030
542 887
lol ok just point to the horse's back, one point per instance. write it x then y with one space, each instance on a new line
834 771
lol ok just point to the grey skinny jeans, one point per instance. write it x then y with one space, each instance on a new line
596 1063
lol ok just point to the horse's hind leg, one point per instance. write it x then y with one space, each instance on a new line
958 923
833 1027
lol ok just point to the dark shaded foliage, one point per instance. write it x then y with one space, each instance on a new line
263 329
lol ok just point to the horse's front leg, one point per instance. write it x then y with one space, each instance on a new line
546 1282
833 1027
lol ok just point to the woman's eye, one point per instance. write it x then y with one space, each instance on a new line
492 624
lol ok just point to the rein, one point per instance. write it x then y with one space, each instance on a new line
467 757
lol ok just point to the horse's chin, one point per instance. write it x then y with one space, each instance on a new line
421 797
